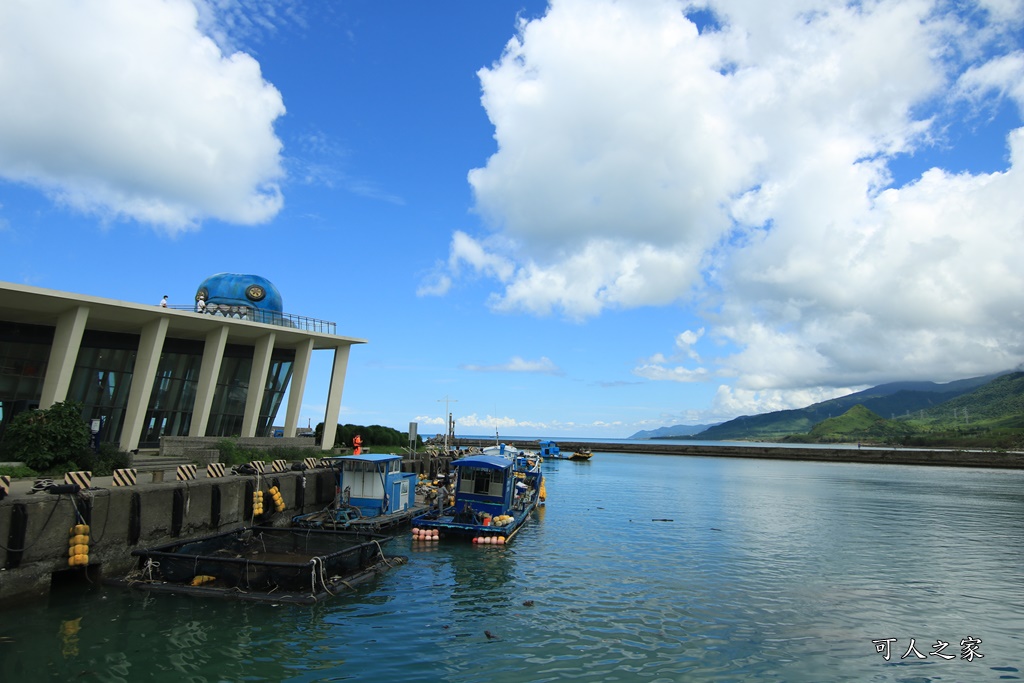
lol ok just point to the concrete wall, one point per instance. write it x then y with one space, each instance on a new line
178 446
46 519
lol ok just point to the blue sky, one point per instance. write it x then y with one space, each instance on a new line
575 218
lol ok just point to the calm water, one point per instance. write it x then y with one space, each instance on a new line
641 568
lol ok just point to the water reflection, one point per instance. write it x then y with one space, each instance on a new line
640 567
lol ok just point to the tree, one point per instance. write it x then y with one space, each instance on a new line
47 439
372 435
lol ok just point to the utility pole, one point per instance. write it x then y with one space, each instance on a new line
449 422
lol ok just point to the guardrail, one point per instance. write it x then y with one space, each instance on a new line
298 322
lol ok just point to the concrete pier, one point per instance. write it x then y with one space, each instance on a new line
34 528
824 453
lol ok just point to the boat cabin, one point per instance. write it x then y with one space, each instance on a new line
549 449
486 484
375 483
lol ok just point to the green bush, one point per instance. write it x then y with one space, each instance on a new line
102 463
19 472
48 439
232 454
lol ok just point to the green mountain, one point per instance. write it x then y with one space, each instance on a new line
998 404
856 424
890 400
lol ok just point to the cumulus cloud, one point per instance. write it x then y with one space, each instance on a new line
1003 74
730 402
485 424
127 110
739 160
659 366
543 366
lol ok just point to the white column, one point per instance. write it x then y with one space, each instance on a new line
67 339
209 371
300 369
334 396
147 362
257 384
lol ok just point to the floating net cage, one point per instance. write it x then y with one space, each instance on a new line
265 558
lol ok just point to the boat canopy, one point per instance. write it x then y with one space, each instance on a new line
490 462
371 457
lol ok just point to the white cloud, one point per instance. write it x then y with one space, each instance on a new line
659 366
438 283
1009 13
685 342
543 366
505 425
232 23
127 110
730 402
1004 74
466 250
660 372
745 169
925 285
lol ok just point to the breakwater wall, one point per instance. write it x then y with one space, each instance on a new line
34 529
872 455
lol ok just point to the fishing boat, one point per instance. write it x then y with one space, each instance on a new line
263 564
549 450
494 496
582 454
523 459
372 494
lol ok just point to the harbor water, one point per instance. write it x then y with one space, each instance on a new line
640 568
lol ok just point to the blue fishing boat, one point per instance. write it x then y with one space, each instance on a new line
549 451
494 496
522 459
373 494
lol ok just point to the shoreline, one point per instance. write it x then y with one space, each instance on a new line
867 455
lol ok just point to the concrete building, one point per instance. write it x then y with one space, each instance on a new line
144 371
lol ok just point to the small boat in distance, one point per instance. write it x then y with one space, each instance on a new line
494 496
549 450
582 454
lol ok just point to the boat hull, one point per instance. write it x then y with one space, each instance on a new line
450 524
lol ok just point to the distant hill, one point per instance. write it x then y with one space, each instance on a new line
890 400
673 432
998 404
856 424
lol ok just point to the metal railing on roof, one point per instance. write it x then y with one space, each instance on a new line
297 322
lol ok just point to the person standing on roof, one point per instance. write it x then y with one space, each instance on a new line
163 302
357 445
